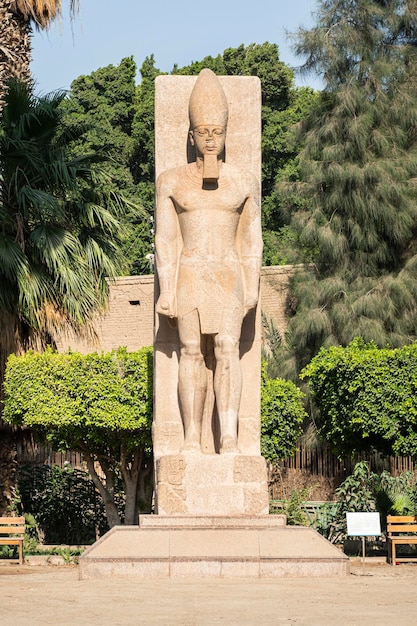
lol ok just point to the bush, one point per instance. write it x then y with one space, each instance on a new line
282 416
367 397
64 503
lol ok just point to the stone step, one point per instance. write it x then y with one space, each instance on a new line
170 552
214 521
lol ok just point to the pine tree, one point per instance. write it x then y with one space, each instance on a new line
358 170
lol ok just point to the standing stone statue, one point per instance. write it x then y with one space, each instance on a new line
208 247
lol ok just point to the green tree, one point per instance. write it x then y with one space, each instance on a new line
141 238
60 227
357 210
105 97
100 405
106 103
366 397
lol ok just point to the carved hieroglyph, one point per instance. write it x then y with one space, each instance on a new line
208 259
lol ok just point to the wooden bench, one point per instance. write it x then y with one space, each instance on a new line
399 528
12 531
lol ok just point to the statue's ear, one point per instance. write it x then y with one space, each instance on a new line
191 136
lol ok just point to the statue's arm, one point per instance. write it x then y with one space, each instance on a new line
251 245
166 247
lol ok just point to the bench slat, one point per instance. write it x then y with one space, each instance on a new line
12 520
400 519
404 528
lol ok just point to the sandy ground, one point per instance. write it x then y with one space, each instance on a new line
374 594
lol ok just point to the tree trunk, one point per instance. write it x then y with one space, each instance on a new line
145 487
130 464
137 475
131 508
15 46
8 468
106 490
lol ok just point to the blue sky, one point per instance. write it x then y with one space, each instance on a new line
176 31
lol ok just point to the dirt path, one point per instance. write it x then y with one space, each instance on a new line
377 594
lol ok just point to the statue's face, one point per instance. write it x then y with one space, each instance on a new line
208 139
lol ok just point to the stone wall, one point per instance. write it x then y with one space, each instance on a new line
129 319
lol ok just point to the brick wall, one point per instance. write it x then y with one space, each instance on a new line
128 321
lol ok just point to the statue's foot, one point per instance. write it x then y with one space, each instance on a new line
229 446
191 446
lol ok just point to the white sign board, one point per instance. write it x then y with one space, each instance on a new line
363 524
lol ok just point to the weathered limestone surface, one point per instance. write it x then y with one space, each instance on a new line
171 130
211 485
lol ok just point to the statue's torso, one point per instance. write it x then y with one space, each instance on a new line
209 273
209 218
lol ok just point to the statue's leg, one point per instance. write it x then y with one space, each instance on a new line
228 389
192 380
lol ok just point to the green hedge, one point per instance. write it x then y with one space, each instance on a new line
367 397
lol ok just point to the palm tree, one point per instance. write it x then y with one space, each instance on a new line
17 18
60 226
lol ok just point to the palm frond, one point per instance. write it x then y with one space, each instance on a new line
42 12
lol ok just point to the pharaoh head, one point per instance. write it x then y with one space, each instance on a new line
208 112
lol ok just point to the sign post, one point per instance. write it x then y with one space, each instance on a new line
363 525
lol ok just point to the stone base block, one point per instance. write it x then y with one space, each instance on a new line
199 484
213 548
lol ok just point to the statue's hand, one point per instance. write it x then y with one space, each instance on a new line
166 305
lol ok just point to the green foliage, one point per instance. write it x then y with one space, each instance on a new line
282 416
353 495
367 397
61 225
395 495
100 405
8 552
104 102
293 508
144 122
108 103
121 122
75 399
367 491
61 506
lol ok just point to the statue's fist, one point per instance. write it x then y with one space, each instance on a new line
166 305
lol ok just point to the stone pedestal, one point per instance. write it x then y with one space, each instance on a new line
212 547
188 484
